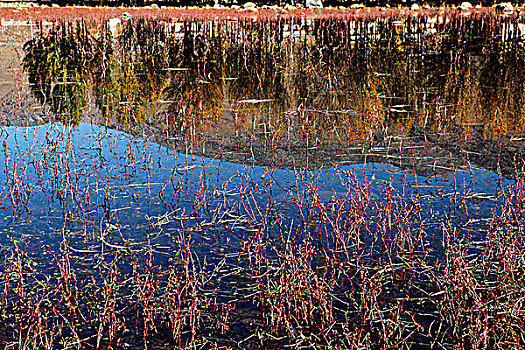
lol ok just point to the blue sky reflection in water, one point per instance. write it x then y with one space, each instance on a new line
100 181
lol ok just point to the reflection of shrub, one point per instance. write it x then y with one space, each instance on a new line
64 62
105 82
57 66
196 103
131 109
345 79
144 48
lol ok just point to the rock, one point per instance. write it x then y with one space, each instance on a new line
504 7
314 4
465 6
268 7
249 9
114 25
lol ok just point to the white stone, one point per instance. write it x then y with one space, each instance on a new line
249 9
114 24
314 3
504 7
465 6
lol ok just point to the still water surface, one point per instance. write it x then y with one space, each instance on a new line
176 144
92 179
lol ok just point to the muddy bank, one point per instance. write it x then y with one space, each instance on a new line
424 153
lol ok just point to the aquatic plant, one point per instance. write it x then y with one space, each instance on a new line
143 245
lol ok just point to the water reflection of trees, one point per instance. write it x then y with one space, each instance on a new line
194 92
316 78
57 65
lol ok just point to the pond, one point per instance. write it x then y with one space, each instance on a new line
240 182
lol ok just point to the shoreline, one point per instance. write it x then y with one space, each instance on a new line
17 13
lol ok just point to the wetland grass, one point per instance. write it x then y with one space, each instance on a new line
117 242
